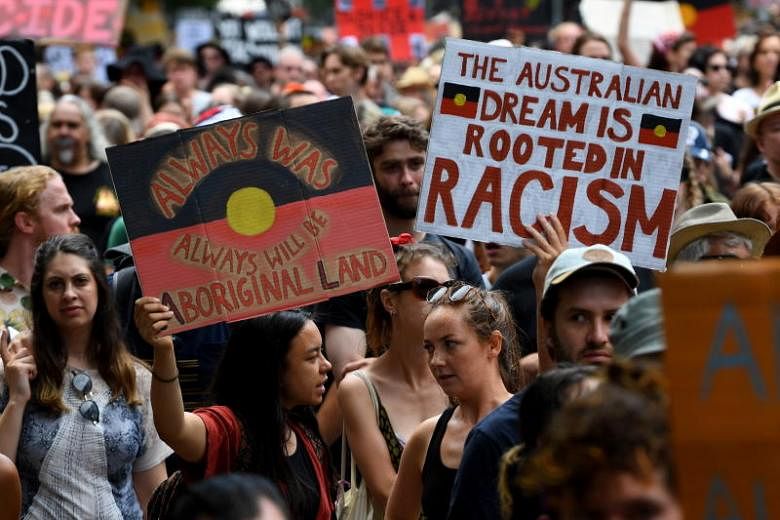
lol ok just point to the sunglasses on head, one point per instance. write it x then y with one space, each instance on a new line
82 383
419 285
458 292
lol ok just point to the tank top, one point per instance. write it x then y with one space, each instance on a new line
436 477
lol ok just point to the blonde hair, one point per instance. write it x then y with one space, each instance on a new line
20 190
749 200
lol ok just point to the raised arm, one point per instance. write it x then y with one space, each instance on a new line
546 246
184 432
623 38
19 369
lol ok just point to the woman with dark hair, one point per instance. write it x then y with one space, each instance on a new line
75 404
405 391
545 396
763 73
608 454
671 51
470 339
235 496
273 372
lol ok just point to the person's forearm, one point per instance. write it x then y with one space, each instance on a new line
167 402
11 428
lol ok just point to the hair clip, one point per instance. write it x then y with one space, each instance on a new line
402 240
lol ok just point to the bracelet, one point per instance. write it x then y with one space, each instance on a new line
160 379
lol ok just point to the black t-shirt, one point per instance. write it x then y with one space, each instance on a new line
94 201
351 309
756 171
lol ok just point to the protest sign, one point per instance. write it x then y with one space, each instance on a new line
247 37
724 386
491 19
253 215
401 22
520 132
19 138
89 21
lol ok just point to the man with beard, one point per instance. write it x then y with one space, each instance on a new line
74 145
34 205
582 290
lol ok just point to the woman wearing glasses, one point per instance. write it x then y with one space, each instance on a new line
76 415
405 390
473 353
272 373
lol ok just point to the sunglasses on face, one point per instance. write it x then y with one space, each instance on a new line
82 383
419 285
455 293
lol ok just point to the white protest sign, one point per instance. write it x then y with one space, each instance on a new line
519 132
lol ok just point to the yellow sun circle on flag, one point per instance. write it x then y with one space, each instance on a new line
250 211
460 99
659 130
688 14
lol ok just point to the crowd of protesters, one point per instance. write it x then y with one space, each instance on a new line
489 382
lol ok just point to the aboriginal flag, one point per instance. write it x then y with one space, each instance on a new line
660 131
252 215
460 100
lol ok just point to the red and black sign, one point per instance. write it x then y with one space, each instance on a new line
253 215
659 131
712 21
460 100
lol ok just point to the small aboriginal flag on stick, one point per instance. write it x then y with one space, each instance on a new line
460 100
660 131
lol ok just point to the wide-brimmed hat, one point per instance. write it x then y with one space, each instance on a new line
637 328
145 58
770 104
715 217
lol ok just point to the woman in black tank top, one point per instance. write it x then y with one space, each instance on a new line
473 353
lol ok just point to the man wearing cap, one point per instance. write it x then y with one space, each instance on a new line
713 232
764 128
582 290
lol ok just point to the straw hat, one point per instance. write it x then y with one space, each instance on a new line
770 104
715 217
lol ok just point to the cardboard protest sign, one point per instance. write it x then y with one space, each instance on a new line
247 37
519 132
19 138
401 22
253 215
487 20
89 21
724 386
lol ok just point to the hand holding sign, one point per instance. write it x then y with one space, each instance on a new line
546 246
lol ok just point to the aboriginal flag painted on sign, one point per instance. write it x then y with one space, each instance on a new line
659 131
460 100
224 214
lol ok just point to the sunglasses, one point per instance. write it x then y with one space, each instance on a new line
717 67
458 292
419 285
89 410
